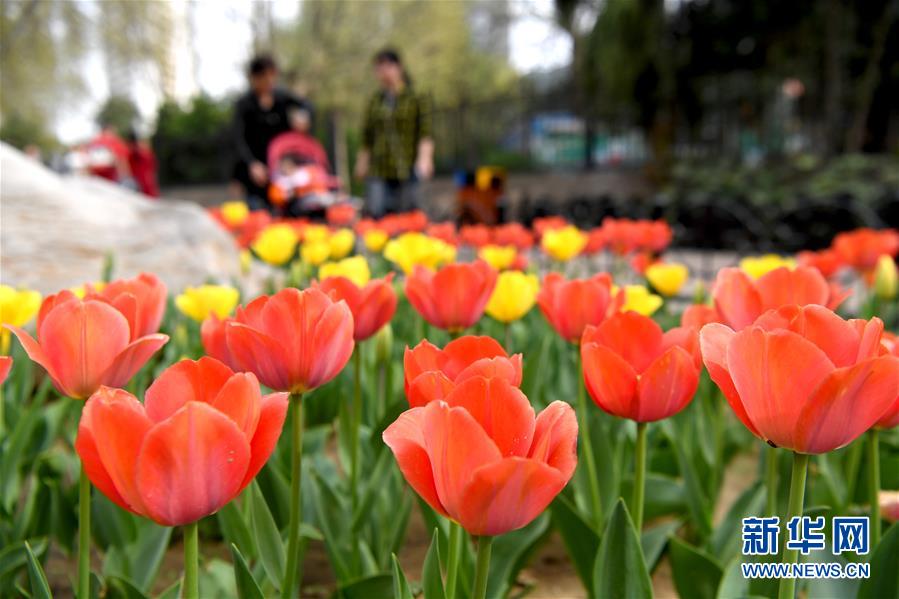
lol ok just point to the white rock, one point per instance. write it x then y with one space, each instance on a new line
55 232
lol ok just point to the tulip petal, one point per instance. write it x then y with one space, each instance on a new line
82 340
428 387
637 339
775 373
239 399
191 465
110 435
185 381
611 381
667 386
405 439
464 351
256 352
847 403
272 412
837 338
502 410
555 438
132 358
713 340
508 369
802 286
506 495
332 344
37 355
423 357
736 298
456 446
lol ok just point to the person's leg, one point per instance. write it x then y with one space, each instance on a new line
375 196
410 195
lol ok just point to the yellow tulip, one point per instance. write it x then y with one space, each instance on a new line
411 249
886 279
375 240
235 213
81 290
342 243
354 268
276 244
499 257
758 266
564 244
199 302
246 261
638 298
17 308
513 296
667 279
316 233
315 252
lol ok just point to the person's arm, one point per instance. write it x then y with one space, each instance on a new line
424 157
256 169
363 156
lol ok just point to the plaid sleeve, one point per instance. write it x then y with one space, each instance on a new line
368 126
425 117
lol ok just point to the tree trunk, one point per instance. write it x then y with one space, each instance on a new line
855 138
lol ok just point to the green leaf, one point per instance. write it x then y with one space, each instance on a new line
620 570
732 583
243 578
510 554
379 586
653 541
119 588
14 557
727 538
373 487
696 574
268 539
431 581
40 589
578 537
884 580
235 529
400 585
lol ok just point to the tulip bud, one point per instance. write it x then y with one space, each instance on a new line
886 279
384 344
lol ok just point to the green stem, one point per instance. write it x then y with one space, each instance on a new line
355 416
639 475
587 446
797 496
292 579
191 588
84 535
480 576
507 335
452 565
874 485
770 481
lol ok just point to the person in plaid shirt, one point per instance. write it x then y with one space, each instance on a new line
397 147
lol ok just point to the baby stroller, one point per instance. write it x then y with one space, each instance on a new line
299 171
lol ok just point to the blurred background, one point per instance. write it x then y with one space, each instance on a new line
746 123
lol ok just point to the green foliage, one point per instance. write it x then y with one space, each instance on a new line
118 112
20 131
191 142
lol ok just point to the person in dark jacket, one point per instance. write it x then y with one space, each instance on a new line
260 115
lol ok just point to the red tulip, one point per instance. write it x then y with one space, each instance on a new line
5 366
141 300
482 459
431 373
571 305
454 297
802 377
443 231
372 305
83 344
828 261
513 234
740 300
634 370
201 435
293 341
474 235
696 316
862 247
890 345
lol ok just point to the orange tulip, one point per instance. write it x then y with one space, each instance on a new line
513 234
293 341
696 316
454 297
861 248
201 435
571 305
5 366
474 235
482 459
828 261
141 300
431 373
634 370
890 345
83 344
372 305
740 300
802 377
